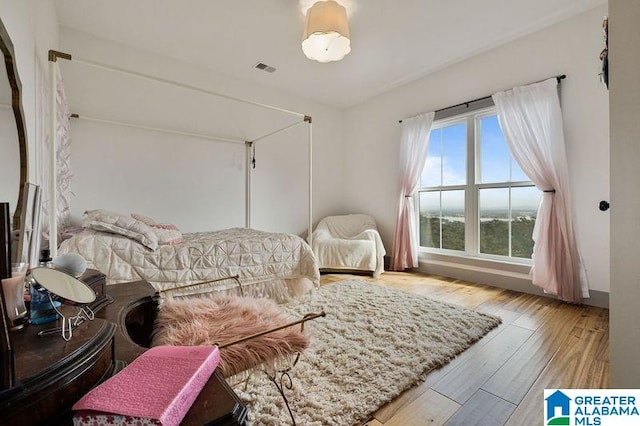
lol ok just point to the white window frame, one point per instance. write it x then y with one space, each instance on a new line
472 191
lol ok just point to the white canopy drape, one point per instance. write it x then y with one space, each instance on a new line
63 172
63 156
531 120
413 155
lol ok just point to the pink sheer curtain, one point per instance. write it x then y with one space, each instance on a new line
413 154
531 120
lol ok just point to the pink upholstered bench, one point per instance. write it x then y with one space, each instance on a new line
219 320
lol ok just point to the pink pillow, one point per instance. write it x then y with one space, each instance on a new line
168 236
144 219
166 233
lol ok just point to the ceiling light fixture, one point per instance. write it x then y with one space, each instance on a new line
326 32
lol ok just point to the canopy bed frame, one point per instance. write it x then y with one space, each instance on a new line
54 71
278 376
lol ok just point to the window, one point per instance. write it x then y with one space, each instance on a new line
473 196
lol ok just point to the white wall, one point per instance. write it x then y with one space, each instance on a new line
625 197
195 183
372 132
355 152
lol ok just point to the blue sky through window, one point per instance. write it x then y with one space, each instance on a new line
446 163
446 157
495 158
454 155
494 153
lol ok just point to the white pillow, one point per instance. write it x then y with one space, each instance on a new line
125 225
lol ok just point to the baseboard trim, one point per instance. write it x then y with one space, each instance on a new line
509 280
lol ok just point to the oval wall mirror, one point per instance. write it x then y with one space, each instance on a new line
66 288
13 144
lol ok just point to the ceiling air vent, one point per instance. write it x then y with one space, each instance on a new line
264 67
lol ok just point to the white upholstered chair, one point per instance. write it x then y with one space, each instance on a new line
349 242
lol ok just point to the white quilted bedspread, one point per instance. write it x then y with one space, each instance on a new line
253 255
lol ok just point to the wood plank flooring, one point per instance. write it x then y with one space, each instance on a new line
541 343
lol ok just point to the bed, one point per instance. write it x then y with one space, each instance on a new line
276 265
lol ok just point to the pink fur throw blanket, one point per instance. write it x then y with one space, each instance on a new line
207 321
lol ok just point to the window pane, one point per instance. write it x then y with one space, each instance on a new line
494 221
430 219
453 220
524 209
494 153
454 154
517 175
505 214
432 172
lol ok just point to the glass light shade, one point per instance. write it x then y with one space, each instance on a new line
326 34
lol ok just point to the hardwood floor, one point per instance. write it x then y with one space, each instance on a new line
541 343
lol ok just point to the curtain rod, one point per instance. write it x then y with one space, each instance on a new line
558 77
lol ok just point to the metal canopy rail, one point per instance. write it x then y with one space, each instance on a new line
157 129
175 83
53 70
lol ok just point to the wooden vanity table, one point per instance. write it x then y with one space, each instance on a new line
54 374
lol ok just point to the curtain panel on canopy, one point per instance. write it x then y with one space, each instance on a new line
64 173
413 155
63 156
531 120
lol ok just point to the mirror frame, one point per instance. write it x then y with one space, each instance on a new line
6 46
7 367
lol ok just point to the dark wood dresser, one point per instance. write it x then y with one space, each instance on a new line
54 374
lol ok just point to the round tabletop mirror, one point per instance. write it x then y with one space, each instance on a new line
65 287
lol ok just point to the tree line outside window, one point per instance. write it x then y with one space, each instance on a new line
473 197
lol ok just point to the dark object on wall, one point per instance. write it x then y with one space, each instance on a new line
604 206
604 55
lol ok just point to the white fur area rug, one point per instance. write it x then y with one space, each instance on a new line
374 343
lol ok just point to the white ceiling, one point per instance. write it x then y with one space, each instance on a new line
392 42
